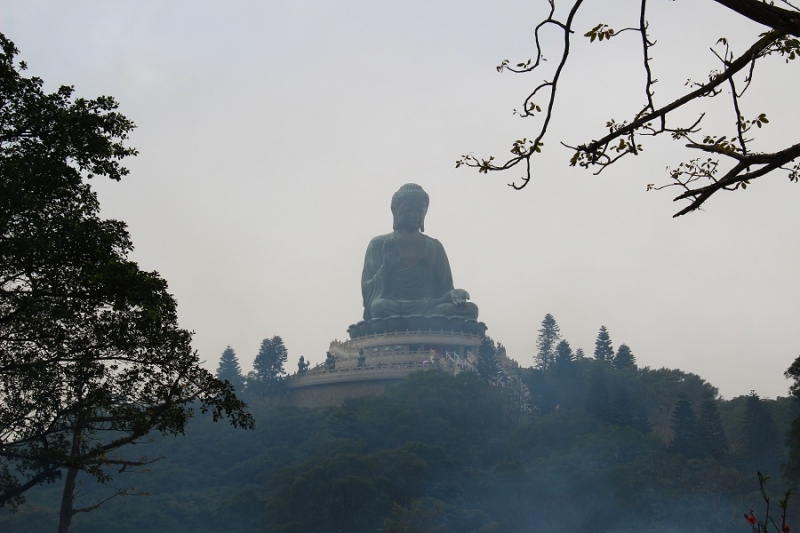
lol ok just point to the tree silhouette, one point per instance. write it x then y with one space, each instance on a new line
268 365
549 335
711 438
91 355
624 358
603 349
229 368
487 366
761 443
684 427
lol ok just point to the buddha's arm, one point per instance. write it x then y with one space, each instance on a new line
373 277
445 280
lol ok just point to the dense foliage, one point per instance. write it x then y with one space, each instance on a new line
91 355
268 366
437 454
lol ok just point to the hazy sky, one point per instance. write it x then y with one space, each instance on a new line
272 135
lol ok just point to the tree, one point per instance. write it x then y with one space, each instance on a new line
268 364
549 335
624 358
791 470
792 467
488 367
229 368
603 349
761 443
725 160
711 439
564 354
91 355
563 358
684 429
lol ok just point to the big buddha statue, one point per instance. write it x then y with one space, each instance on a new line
406 272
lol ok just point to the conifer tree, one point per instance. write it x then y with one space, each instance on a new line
624 358
711 438
761 444
268 364
562 364
603 349
684 428
549 335
579 354
487 366
229 368
564 355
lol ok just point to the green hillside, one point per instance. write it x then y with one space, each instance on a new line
603 449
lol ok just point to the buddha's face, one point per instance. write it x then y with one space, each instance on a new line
410 214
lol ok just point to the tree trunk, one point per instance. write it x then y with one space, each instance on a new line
67 498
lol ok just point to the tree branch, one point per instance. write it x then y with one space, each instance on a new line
767 14
758 47
735 176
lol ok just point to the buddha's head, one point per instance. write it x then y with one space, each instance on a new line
409 207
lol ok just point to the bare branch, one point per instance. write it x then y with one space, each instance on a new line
621 138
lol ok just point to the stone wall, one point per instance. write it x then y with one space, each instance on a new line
332 393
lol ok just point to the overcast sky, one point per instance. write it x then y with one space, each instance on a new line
272 135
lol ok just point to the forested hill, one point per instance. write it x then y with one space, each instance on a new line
604 449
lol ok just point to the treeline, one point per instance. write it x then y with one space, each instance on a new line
268 368
604 446
682 409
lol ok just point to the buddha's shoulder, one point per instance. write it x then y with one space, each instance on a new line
431 240
380 239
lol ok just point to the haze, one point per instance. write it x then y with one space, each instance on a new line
273 134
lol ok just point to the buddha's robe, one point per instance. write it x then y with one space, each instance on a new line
409 291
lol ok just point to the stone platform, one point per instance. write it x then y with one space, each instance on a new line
387 358
400 324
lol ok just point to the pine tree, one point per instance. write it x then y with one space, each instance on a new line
684 429
579 354
487 366
268 364
549 335
761 443
624 358
711 438
564 354
229 368
603 349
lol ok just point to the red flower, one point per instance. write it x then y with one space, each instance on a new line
787 528
751 519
